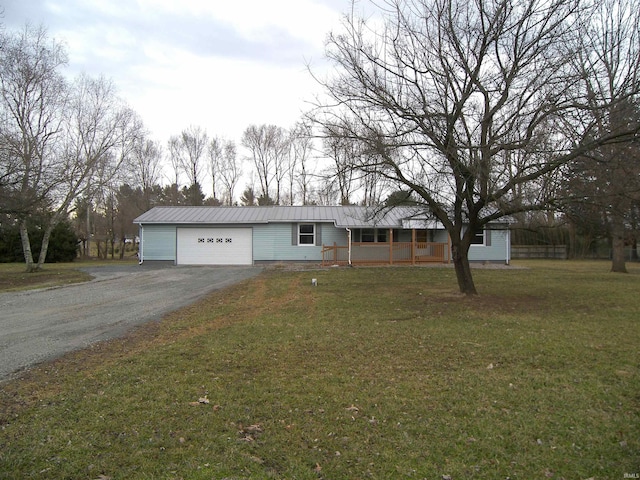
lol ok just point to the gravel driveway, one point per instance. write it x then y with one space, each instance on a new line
39 325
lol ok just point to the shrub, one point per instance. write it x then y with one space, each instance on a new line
63 243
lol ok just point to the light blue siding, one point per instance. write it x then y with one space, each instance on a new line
159 242
496 252
331 235
274 242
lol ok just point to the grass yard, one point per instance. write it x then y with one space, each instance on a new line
377 373
14 278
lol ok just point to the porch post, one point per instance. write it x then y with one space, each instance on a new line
391 246
413 246
448 248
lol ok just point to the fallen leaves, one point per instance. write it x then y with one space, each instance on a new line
204 401
250 433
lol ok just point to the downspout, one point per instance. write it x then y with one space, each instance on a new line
140 256
349 243
508 242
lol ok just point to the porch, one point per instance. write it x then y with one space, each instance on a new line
364 253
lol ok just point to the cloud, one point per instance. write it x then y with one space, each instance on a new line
221 65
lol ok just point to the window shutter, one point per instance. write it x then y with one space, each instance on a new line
487 237
294 234
318 227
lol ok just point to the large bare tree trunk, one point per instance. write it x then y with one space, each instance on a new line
44 248
460 257
87 250
26 247
617 244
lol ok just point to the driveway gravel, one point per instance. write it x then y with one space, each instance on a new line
40 325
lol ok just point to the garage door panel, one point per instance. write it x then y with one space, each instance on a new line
214 246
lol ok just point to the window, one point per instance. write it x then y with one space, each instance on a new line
306 234
478 237
368 235
373 235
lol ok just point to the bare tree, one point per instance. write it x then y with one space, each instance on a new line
191 146
146 166
609 63
300 174
99 137
174 154
343 152
603 189
254 140
230 171
131 202
282 157
224 168
374 186
33 101
441 93
327 192
214 155
267 145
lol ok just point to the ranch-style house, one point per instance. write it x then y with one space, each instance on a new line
329 235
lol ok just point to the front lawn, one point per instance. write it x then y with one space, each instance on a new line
13 276
375 373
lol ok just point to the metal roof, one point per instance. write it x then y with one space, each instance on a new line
341 216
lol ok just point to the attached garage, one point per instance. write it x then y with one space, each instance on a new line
309 233
214 246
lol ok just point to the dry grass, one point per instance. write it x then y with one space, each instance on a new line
13 276
376 373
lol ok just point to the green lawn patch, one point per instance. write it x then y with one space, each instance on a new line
375 373
14 278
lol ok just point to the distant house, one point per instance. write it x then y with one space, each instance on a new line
330 235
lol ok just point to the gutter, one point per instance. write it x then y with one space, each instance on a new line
141 247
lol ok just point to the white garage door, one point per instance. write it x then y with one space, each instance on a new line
214 246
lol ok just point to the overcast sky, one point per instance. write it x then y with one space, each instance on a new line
218 64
